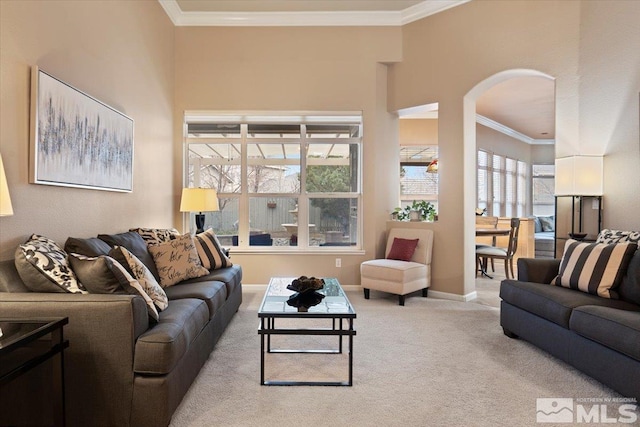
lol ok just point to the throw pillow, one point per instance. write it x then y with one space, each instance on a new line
89 247
43 267
537 225
618 236
96 273
211 253
133 287
629 289
402 249
134 244
177 260
595 268
154 236
547 223
141 273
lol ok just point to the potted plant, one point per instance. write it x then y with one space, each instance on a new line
417 211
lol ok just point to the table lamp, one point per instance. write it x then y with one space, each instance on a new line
199 200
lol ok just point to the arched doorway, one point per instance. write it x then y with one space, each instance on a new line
469 164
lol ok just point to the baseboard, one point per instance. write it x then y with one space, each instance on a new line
453 297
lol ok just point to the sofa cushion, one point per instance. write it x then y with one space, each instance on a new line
134 244
595 268
10 280
160 348
133 287
141 273
230 276
390 270
177 260
43 266
547 223
91 246
553 303
210 251
213 293
613 328
629 289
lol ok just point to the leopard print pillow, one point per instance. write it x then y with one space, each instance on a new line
618 236
43 266
155 236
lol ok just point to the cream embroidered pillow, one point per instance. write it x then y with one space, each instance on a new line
141 273
177 260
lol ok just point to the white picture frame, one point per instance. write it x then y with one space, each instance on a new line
76 140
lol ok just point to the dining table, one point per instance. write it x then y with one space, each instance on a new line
490 232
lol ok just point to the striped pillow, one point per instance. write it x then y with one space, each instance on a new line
595 268
210 251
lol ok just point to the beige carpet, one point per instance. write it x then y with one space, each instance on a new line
430 363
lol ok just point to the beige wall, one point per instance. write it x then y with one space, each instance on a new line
543 154
418 131
609 98
122 54
444 57
288 69
499 143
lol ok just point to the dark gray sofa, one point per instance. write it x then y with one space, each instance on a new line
121 368
598 336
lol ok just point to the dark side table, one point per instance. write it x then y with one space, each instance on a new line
25 344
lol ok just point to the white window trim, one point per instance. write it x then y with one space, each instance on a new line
261 117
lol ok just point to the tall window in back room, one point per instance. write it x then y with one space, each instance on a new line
284 180
501 185
543 184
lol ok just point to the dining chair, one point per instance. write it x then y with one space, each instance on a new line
490 252
487 222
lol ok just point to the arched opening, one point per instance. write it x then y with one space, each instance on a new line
469 165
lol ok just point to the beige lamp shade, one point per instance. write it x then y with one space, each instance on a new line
5 199
199 200
579 176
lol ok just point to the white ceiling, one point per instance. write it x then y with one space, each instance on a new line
302 12
523 108
525 105
294 5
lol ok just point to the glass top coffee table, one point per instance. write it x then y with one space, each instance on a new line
330 302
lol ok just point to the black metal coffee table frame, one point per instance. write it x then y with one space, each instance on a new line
341 326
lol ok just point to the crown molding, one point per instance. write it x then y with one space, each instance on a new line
499 127
427 8
298 19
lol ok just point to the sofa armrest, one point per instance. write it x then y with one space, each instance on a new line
102 332
538 270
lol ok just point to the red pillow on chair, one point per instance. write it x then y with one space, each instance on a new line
402 249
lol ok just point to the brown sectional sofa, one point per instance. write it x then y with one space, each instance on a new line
121 368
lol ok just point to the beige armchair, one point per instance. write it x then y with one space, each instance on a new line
400 277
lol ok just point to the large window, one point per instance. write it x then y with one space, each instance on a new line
282 180
501 185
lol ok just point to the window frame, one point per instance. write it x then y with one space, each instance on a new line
302 196
498 175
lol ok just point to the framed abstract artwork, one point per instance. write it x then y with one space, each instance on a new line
76 140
